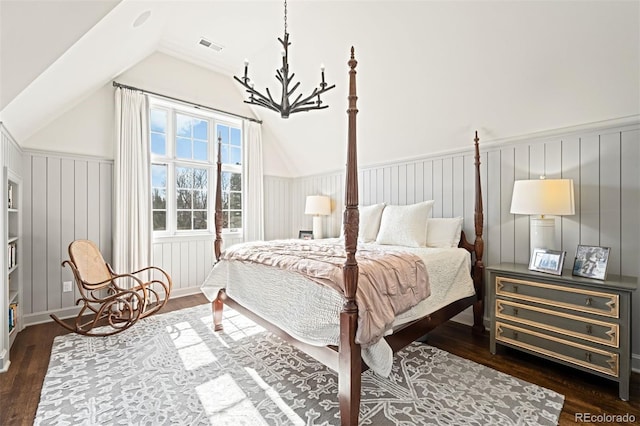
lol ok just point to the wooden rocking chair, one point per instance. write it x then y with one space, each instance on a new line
108 298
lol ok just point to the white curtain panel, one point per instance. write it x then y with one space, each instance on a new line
252 172
132 187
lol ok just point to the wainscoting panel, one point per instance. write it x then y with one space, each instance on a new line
65 198
186 260
11 151
603 164
277 208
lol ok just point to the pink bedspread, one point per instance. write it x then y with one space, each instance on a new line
390 281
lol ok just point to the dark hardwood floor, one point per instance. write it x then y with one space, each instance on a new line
584 393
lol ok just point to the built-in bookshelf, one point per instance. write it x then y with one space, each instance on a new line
11 282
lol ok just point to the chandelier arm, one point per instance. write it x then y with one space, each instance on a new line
305 100
261 100
290 92
311 108
264 104
294 103
271 99
313 94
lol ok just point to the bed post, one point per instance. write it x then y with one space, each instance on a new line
349 365
478 269
218 305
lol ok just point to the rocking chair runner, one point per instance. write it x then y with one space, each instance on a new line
108 298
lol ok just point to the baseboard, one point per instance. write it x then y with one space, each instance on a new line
42 317
465 317
65 313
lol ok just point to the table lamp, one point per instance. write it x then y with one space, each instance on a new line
542 197
318 206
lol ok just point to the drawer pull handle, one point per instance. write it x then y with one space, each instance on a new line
611 304
589 329
588 356
515 288
515 312
589 301
515 335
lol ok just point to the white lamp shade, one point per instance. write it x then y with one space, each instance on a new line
543 197
319 205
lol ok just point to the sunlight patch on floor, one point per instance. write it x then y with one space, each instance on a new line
275 397
236 326
225 403
193 352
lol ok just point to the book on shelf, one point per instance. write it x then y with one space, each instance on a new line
13 313
10 201
11 255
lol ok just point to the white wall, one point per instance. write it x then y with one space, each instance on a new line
430 72
88 128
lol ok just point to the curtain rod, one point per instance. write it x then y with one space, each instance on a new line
124 86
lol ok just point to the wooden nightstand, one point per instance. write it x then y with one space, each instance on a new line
583 323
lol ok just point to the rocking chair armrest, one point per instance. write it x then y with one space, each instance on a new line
148 268
155 268
136 279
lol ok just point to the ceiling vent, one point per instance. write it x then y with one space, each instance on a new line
211 45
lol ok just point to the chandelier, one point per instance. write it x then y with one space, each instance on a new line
286 106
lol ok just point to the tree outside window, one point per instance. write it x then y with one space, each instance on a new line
231 158
191 198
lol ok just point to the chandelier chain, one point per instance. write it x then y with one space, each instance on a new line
285 16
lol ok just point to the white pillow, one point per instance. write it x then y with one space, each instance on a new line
405 225
444 232
369 222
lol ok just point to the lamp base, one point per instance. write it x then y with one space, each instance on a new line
317 227
543 233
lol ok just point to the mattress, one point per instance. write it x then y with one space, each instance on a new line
311 312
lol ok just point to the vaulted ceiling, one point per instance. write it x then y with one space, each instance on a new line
430 72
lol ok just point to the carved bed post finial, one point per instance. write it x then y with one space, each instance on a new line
478 273
349 359
217 306
217 246
351 213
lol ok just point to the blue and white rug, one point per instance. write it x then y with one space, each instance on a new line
173 369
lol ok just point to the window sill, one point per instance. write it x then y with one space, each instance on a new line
204 236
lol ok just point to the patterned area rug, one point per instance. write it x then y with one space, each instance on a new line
173 369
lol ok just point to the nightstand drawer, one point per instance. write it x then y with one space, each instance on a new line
577 299
588 357
602 332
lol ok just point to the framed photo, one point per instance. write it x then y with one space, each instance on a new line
548 261
305 235
591 262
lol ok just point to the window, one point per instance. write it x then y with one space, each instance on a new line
231 159
183 164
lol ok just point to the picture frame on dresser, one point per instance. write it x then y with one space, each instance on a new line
305 235
591 262
548 261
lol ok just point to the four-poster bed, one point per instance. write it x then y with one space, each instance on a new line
345 355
